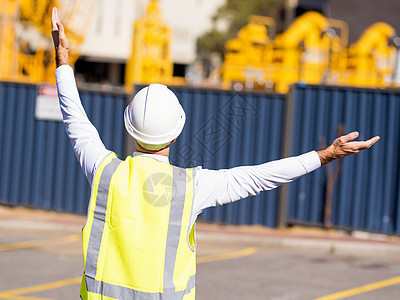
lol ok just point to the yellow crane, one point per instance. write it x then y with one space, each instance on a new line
25 36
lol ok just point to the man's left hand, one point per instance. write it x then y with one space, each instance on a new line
343 146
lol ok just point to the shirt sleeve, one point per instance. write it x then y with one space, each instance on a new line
86 143
228 185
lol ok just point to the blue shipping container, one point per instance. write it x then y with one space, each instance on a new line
37 165
367 194
224 129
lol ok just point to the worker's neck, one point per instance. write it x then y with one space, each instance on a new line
163 152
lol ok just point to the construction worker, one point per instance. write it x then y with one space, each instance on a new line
138 240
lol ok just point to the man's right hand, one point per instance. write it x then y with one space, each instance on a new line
61 44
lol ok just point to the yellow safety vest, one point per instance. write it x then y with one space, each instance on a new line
137 241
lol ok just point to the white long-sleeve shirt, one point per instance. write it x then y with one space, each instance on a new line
212 187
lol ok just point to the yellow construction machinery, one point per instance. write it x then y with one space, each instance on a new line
304 52
312 50
371 60
308 51
150 59
8 51
26 49
248 57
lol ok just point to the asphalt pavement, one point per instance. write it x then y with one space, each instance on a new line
41 259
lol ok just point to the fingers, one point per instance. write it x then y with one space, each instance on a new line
353 135
343 147
54 19
361 145
344 139
372 141
349 137
365 144
60 27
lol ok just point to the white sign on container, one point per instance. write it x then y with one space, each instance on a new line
47 106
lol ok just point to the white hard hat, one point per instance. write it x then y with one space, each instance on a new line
154 116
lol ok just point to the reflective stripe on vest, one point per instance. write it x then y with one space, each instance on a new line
173 238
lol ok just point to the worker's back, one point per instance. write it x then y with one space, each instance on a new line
137 241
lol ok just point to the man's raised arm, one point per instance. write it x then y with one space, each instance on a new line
86 143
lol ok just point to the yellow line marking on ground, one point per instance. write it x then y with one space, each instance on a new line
38 288
38 243
15 294
24 298
225 256
362 289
